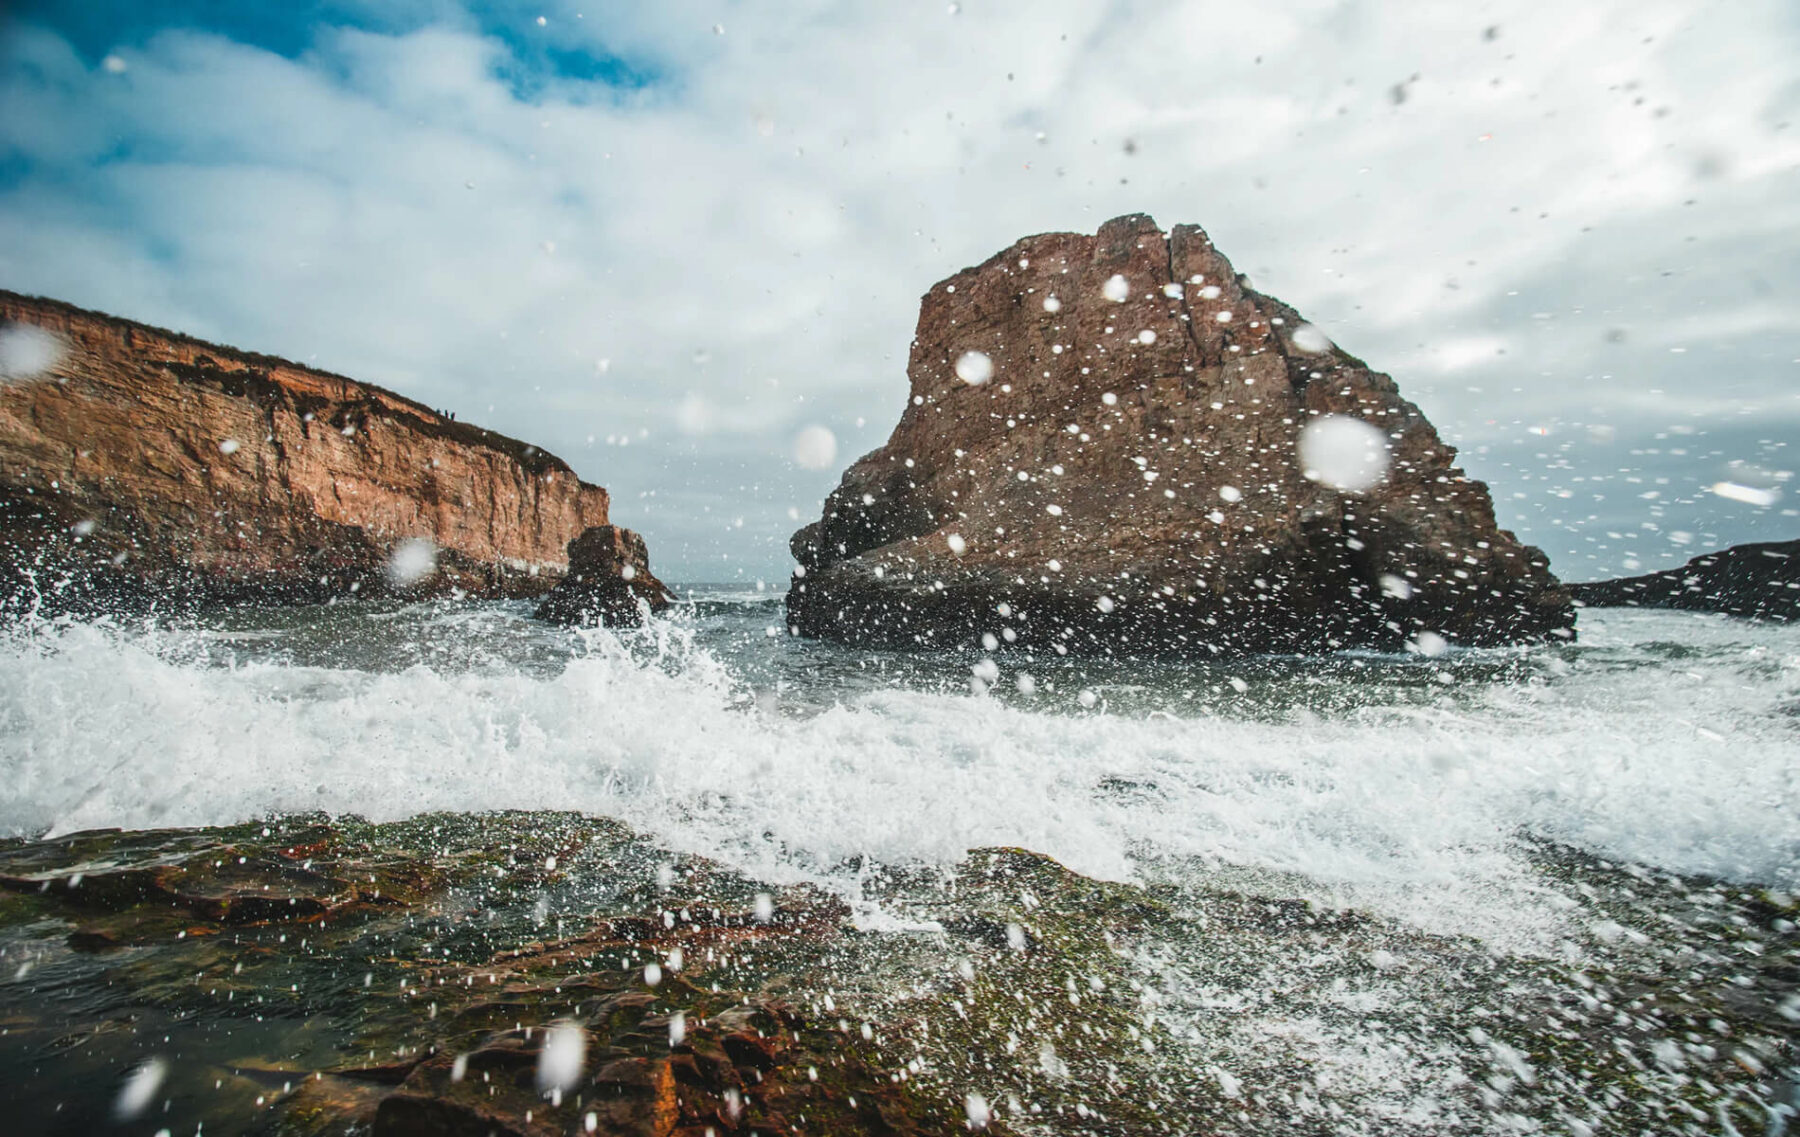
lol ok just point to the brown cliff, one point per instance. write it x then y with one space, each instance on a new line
1126 478
143 464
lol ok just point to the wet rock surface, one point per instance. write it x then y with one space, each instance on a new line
549 973
608 582
1099 454
1761 581
140 467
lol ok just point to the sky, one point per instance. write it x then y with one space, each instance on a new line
670 242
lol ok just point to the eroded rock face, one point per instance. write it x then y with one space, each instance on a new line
1127 480
1761 581
609 582
138 463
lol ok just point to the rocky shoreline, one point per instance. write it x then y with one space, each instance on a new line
1113 445
1759 581
531 974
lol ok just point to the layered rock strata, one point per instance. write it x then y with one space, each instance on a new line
141 465
1760 581
1099 454
609 582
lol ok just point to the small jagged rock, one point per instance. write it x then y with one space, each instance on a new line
609 582
1099 455
1761 581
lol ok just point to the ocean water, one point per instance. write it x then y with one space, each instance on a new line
1409 786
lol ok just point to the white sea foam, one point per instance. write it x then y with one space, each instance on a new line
1681 754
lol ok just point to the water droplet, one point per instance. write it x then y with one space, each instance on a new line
1344 453
1117 288
1749 495
140 1089
560 1062
956 543
1310 339
27 352
815 448
411 561
974 368
1052 304
1429 644
976 1108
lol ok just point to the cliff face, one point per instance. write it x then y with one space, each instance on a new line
1101 452
1760 581
155 462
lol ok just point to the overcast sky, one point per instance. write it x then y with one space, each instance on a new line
662 239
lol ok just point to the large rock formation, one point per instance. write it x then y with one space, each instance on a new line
609 582
1761 581
1099 455
138 464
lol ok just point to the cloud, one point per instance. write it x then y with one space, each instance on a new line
447 200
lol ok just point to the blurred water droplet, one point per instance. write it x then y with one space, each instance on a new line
1343 452
411 562
1749 495
27 352
976 1108
1117 288
815 448
140 1089
560 1062
1308 338
974 368
1429 644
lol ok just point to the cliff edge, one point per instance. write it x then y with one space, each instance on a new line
138 465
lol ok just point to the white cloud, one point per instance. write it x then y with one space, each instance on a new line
782 194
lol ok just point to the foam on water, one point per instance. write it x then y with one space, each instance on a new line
1664 739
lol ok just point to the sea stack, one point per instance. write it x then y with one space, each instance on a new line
144 468
1112 445
608 582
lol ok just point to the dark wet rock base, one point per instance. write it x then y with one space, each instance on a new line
1761 581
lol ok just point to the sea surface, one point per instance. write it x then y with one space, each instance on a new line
1402 784
1539 889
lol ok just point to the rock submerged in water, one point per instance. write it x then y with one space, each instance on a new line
1113 445
1760 581
609 582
